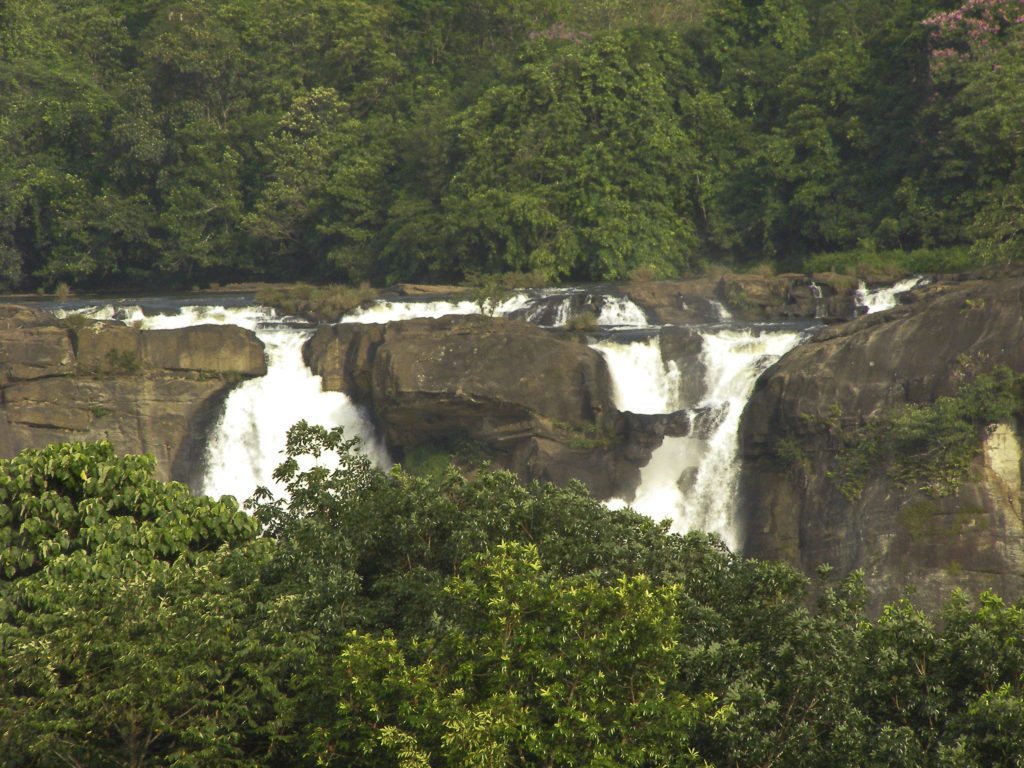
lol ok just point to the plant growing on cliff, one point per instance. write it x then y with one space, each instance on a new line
928 447
324 303
122 361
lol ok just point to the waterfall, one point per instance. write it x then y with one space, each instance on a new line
734 360
689 480
564 310
247 442
620 312
723 313
815 289
884 298
641 381
692 480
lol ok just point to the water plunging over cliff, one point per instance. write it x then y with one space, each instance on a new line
619 312
642 381
692 480
247 442
689 480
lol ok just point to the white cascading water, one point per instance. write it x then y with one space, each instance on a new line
880 299
564 311
247 442
723 313
689 480
692 480
619 312
734 360
385 311
641 381
562 314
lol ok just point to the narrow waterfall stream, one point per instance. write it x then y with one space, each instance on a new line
734 359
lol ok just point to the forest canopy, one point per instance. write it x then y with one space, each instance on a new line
180 142
379 618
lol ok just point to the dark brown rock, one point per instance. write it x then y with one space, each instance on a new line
747 297
43 351
914 353
683 348
526 398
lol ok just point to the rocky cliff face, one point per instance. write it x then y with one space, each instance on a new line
532 400
806 407
151 392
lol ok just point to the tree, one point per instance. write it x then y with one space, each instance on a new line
129 619
523 667
977 64
579 166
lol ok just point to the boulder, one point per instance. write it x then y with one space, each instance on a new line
211 349
802 407
683 347
747 297
532 400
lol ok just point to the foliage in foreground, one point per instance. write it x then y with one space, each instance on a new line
383 619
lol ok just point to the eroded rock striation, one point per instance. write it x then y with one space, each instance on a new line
805 409
535 401
145 391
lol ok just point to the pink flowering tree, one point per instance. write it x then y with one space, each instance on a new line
967 31
977 64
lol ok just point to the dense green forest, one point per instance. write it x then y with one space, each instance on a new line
378 618
179 142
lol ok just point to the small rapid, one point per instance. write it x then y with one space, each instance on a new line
885 297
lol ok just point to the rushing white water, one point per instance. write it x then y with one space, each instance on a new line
734 360
386 311
883 298
247 442
723 313
688 480
564 310
641 381
693 480
620 312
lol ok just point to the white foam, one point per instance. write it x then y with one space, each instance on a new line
885 297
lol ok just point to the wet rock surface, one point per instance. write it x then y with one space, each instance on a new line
751 298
